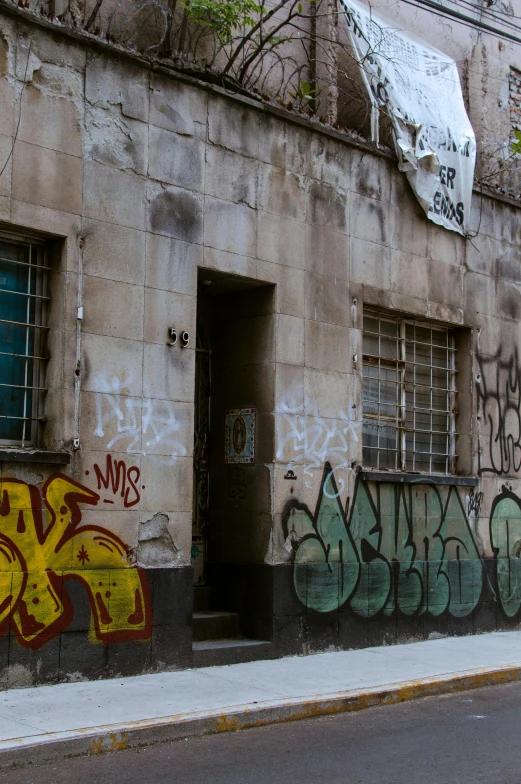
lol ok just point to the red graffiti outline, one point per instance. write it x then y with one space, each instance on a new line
72 498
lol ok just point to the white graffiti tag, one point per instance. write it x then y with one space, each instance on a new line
305 437
142 424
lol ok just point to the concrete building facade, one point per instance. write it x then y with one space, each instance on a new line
243 370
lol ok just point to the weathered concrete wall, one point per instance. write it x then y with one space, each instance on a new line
139 179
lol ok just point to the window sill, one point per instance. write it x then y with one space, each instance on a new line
34 456
417 479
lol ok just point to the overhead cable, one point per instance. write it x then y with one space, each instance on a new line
442 11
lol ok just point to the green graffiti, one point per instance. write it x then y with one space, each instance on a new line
374 588
326 566
460 560
409 580
505 536
406 546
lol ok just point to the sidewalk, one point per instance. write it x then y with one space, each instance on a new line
51 722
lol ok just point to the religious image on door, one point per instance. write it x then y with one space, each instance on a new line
239 436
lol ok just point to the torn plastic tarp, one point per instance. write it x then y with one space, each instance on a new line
420 88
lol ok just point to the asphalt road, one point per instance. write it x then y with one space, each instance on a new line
470 737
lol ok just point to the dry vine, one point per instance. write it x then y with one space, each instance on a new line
294 52
500 166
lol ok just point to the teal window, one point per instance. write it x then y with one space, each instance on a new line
23 328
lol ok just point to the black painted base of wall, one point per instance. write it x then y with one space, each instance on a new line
269 609
72 656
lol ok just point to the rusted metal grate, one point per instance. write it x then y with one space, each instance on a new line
409 394
23 328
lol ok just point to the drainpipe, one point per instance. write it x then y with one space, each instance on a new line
77 364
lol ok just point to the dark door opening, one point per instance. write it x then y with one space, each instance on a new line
203 382
232 446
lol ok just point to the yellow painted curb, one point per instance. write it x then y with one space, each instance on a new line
18 752
355 700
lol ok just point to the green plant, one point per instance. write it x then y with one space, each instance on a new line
223 18
515 147
304 91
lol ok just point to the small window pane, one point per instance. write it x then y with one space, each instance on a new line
370 431
440 423
440 338
370 336
440 357
389 349
440 400
388 447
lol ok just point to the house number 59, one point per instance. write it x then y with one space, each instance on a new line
172 335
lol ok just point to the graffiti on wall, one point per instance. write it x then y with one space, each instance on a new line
119 478
402 546
326 562
303 436
406 547
505 536
144 426
498 386
44 545
474 501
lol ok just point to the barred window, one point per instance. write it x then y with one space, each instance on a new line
408 394
23 317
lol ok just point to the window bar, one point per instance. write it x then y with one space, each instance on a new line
414 398
401 456
451 400
22 386
16 418
42 315
23 324
27 320
38 304
21 356
431 401
379 421
24 263
24 293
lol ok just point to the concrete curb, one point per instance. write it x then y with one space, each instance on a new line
18 752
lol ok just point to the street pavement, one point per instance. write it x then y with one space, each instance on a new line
51 722
452 739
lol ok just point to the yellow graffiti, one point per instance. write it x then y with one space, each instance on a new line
40 549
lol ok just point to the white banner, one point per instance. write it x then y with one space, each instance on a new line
420 88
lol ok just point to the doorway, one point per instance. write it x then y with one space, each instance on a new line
233 437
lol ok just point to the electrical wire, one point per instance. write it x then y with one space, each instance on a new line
444 11
2 170
491 15
376 48
470 24
488 11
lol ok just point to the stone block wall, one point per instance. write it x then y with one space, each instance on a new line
140 180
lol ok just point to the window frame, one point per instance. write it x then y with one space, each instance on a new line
400 364
32 412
